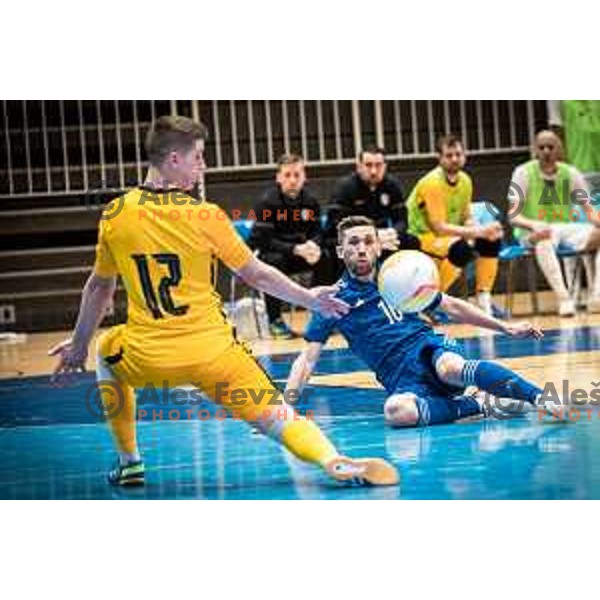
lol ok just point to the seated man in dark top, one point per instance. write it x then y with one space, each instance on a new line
373 193
288 231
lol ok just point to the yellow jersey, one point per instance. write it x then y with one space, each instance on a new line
164 244
435 199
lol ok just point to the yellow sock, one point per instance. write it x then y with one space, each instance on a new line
486 269
448 274
305 440
120 406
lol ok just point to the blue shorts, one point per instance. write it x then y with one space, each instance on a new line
417 374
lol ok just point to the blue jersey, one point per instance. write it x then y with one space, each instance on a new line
397 347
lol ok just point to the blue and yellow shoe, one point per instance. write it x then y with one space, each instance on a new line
128 475
281 331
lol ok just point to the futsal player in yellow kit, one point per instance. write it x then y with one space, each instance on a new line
162 242
439 214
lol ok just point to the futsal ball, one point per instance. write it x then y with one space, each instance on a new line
409 281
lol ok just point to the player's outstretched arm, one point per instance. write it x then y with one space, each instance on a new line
303 367
269 280
95 300
463 312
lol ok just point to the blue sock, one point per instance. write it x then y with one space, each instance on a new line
437 411
499 381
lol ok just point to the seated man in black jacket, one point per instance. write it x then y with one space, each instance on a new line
370 192
288 231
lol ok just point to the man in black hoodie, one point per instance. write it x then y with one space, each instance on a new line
288 231
373 193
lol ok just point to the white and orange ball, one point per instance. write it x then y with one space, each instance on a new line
409 281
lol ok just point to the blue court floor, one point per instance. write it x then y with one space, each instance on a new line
52 447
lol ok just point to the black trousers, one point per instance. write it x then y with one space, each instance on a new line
293 265
461 253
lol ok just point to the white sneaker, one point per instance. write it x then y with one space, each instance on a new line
557 411
593 305
362 471
484 301
566 308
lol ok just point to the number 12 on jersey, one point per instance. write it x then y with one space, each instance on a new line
160 296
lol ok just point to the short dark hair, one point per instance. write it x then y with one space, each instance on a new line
170 133
349 223
289 159
371 150
448 141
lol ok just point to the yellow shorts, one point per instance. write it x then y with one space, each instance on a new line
437 245
229 379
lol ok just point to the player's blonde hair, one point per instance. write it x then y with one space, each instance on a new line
172 133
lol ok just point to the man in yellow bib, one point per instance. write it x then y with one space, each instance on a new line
163 243
439 213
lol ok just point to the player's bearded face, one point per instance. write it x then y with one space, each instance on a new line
360 250
453 158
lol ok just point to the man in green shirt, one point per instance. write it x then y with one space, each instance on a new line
578 123
550 206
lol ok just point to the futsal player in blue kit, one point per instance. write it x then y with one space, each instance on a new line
425 373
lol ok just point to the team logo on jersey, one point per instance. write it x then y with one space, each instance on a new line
385 200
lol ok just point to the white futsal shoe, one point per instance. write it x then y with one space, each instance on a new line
593 305
363 471
484 301
556 412
566 308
